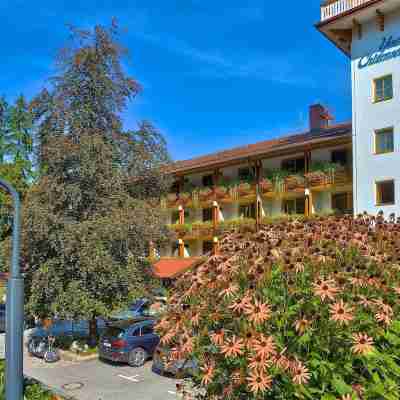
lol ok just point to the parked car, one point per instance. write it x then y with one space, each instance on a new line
141 308
129 341
179 368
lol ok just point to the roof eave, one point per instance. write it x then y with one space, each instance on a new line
261 154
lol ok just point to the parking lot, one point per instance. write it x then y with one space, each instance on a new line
97 380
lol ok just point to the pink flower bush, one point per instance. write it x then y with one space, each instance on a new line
298 310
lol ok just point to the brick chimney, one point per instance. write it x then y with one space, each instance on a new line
319 117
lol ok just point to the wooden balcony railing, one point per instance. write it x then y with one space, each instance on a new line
340 177
334 8
275 186
198 230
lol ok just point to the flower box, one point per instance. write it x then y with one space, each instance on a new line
181 230
294 182
244 188
329 177
221 191
185 197
316 178
205 194
266 185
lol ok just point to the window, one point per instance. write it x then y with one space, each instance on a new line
294 206
248 211
175 187
339 202
114 332
136 332
246 174
295 165
207 247
383 88
339 157
207 214
384 141
208 180
385 193
147 330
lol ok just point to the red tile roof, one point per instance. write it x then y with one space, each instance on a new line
172 267
262 148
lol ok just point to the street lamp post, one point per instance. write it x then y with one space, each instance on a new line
14 309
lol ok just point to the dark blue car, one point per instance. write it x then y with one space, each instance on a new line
129 341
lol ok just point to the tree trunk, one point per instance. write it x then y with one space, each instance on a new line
93 332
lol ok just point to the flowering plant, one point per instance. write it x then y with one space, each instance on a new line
185 196
205 193
298 310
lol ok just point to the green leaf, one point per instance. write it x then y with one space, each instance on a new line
340 385
328 396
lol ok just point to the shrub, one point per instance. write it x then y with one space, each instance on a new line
32 391
64 342
298 310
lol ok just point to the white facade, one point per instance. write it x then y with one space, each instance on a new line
369 116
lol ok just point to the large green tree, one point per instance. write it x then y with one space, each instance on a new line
5 136
16 144
89 219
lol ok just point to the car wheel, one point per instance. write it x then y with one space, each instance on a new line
137 357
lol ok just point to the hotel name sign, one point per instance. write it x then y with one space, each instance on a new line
389 49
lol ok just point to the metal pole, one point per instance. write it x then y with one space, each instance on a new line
14 309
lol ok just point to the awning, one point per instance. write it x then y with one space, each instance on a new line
172 267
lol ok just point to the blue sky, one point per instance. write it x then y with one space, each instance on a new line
215 74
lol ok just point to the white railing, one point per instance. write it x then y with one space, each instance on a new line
339 7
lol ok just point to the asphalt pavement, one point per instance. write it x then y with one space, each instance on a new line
97 380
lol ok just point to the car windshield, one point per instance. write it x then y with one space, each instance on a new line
115 332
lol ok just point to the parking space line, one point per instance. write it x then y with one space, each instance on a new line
133 378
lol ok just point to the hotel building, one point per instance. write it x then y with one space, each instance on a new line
346 168
367 31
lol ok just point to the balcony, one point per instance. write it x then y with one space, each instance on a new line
324 176
274 184
195 230
224 192
334 8
342 20
281 183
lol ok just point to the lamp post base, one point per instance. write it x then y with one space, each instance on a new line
14 339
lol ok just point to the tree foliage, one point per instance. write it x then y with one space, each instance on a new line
89 219
16 146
